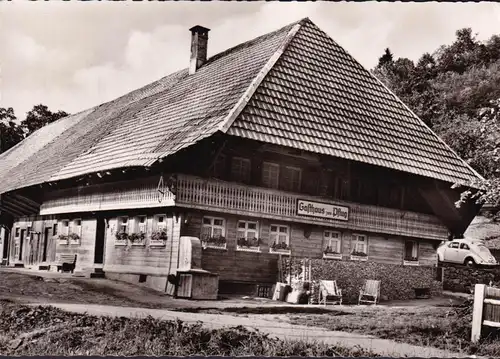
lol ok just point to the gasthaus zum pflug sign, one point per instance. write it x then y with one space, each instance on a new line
322 210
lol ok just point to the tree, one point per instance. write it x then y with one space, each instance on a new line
386 58
10 132
40 116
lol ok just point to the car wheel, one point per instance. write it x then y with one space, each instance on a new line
469 262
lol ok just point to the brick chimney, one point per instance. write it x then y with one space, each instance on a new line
199 40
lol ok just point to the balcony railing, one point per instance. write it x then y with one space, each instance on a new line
228 197
233 198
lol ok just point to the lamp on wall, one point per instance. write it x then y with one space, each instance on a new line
187 218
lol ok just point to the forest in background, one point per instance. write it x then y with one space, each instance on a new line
455 91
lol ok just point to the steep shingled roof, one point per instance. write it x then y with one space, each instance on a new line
294 87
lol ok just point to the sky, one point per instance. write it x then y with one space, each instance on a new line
75 55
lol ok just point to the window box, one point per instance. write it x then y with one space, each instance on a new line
121 239
248 245
137 239
359 256
332 255
410 262
214 242
279 248
158 239
63 239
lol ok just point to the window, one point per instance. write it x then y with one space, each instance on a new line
17 231
359 246
141 221
213 232
270 174
464 246
248 236
240 169
279 238
411 251
332 243
453 245
65 227
291 178
54 229
212 227
122 225
219 169
77 226
160 222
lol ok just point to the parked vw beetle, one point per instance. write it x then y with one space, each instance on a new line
466 251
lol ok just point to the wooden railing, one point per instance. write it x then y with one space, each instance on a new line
229 197
486 310
108 196
211 194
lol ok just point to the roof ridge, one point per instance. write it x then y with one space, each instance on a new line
247 95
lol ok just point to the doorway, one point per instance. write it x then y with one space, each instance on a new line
21 244
5 241
99 240
46 235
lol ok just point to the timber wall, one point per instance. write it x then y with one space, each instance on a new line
234 265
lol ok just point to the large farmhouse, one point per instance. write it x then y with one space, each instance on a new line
280 145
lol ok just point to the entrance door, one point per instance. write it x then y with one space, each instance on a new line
99 241
5 241
46 235
21 244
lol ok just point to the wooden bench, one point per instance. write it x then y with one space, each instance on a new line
66 263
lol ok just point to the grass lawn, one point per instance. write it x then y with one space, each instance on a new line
45 330
446 328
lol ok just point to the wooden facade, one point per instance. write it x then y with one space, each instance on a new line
234 189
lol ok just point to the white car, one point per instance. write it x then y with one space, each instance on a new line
466 251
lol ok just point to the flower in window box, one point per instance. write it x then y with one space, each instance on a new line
411 259
63 238
74 237
329 250
137 237
159 236
248 243
219 241
359 254
121 236
279 246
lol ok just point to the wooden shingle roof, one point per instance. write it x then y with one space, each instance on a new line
294 87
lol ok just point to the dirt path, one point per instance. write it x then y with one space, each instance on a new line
280 329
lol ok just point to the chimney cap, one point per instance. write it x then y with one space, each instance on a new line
199 29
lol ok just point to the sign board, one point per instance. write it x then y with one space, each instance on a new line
322 210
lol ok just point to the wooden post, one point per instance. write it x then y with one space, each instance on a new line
477 313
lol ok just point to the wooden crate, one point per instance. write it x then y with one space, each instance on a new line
198 284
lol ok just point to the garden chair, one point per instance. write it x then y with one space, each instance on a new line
329 293
370 293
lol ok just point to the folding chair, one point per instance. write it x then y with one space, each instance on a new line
329 293
370 293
